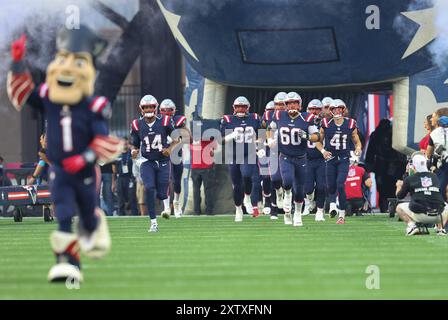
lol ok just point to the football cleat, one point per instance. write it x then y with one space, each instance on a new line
333 210
319 217
154 227
287 218
287 201
177 209
279 195
166 214
255 213
306 208
441 232
248 204
274 217
340 221
298 220
238 214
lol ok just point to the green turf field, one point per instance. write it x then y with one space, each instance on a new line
215 258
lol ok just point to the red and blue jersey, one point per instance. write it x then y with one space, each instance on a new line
288 134
152 138
246 129
70 129
338 137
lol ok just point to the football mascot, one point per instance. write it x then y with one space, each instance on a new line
77 138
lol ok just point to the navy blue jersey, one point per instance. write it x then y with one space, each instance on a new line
152 138
337 138
70 129
245 127
311 151
288 132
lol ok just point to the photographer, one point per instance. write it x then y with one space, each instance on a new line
426 205
438 146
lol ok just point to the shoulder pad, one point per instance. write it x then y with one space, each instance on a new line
100 105
256 116
352 123
180 121
267 115
277 115
134 125
325 123
309 117
227 118
166 120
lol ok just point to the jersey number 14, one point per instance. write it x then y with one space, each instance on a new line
155 145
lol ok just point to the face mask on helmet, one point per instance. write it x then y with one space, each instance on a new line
241 107
315 107
294 102
149 110
148 106
167 107
337 111
241 110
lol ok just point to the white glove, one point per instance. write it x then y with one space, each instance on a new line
230 137
261 153
303 134
272 142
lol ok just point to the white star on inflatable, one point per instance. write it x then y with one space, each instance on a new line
427 31
173 21
446 81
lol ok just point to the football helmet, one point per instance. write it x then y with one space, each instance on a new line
167 107
270 106
337 108
241 106
294 102
148 101
280 100
315 107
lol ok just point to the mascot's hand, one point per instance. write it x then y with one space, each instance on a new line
18 49
107 148
74 164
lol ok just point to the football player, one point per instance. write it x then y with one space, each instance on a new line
241 129
326 103
77 137
264 165
293 129
276 177
151 136
336 133
168 108
315 169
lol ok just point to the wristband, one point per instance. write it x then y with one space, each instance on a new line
323 150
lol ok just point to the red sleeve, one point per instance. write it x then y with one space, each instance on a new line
424 142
